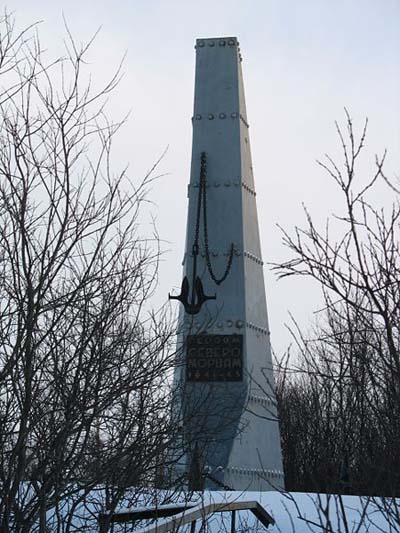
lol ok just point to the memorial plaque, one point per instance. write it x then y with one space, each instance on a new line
214 358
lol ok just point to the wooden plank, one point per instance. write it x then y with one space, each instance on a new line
205 510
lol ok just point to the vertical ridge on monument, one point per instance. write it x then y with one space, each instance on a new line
230 428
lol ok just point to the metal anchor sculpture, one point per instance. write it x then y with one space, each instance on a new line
198 297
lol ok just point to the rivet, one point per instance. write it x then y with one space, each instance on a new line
198 117
220 325
210 116
227 184
234 115
239 323
237 253
211 43
222 43
231 42
201 43
222 115
216 184
214 254
229 323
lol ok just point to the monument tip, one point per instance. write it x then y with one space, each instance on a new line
217 41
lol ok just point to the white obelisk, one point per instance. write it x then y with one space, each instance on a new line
230 423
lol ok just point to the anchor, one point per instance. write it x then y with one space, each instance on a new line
198 297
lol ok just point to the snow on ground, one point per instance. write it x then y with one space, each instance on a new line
293 512
300 513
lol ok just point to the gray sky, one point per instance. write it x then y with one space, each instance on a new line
303 61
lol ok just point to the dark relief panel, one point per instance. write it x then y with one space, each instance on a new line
214 358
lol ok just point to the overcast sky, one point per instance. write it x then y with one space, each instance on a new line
303 61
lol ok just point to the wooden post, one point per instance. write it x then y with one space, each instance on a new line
233 522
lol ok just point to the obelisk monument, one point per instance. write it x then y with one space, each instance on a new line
230 427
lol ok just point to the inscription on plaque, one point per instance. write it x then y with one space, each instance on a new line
214 358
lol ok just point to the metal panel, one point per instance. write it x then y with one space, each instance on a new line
213 358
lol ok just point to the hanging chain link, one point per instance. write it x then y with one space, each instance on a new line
203 171
203 196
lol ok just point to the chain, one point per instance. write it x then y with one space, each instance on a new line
203 173
203 194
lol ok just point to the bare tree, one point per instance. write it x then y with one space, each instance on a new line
340 402
83 364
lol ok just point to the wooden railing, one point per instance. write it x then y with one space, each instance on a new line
173 517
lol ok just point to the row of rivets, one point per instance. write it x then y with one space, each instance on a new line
229 324
256 328
212 116
253 258
255 472
222 42
222 324
238 253
248 189
234 323
237 324
227 183
262 400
